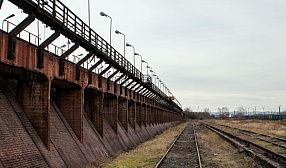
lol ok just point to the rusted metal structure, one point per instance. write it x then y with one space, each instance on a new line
131 98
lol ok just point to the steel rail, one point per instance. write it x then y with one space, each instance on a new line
197 148
269 136
164 156
260 134
273 155
169 149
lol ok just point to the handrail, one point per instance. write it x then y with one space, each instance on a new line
62 15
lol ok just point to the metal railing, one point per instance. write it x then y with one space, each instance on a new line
32 38
62 15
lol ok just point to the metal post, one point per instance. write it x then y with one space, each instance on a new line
88 13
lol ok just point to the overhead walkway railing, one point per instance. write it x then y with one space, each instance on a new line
56 15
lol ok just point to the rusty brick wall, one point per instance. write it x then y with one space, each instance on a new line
132 135
125 137
111 137
110 110
70 102
132 113
33 95
123 113
139 114
25 148
17 148
65 140
52 157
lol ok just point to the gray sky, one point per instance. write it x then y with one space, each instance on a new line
208 53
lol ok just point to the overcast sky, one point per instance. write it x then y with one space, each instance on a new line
208 53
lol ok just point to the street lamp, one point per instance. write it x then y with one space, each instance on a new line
76 56
88 14
118 32
129 45
104 14
61 47
155 77
136 54
147 65
12 15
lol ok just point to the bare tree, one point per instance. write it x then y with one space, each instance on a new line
188 109
224 112
207 110
241 109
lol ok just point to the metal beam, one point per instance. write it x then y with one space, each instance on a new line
129 84
69 51
20 27
141 89
134 86
90 54
105 70
95 65
125 81
13 33
136 89
41 48
119 78
113 74
143 93
50 40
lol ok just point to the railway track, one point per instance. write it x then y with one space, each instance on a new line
264 156
271 140
183 152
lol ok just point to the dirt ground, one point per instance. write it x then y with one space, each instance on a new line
218 153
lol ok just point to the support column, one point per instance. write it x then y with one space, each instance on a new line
131 113
144 115
139 114
155 116
93 105
34 97
123 112
152 115
110 110
70 102
148 112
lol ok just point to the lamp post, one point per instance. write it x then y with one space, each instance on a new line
12 15
136 54
146 66
129 45
75 56
155 77
118 32
104 14
61 47
88 14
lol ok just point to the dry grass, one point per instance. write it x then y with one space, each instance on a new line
147 154
270 127
217 152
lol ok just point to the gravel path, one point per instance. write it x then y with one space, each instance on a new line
183 153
